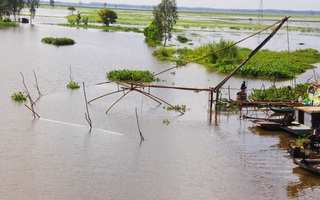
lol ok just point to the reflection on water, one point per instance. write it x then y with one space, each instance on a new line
57 157
307 184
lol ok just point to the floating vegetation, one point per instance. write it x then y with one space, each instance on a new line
73 85
265 64
183 108
19 96
131 76
280 94
58 41
166 121
182 39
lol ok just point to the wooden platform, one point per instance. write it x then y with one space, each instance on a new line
265 103
298 130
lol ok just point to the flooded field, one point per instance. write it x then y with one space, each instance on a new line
57 157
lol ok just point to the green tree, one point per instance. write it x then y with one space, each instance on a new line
166 13
85 20
71 9
4 8
52 3
78 19
32 5
15 6
153 33
107 16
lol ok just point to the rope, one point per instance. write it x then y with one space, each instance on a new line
215 52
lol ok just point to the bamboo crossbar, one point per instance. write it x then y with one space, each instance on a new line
172 87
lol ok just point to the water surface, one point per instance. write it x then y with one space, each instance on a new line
57 157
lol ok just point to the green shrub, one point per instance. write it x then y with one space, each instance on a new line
6 20
19 96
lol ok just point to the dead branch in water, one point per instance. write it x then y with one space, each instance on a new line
37 86
87 116
32 103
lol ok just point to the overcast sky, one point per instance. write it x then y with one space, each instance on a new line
234 4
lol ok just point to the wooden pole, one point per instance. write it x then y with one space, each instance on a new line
250 55
210 110
150 95
104 96
117 101
141 136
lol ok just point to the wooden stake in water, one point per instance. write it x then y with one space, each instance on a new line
141 136
87 116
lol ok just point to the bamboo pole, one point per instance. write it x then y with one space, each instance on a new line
104 95
118 101
251 54
141 136
148 95
161 100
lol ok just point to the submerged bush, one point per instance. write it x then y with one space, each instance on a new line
131 76
58 41
19 96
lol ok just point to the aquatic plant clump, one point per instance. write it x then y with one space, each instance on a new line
131 76
182 39
19 96
280 94
58 41
73 85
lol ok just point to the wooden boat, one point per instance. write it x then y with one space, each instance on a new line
310 164
269 123
282 109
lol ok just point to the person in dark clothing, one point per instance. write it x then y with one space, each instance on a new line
243 86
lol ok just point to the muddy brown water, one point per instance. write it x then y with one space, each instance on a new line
57 157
